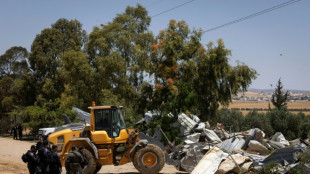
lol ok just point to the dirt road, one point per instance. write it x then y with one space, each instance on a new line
11 163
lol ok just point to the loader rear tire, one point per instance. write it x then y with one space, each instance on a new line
92 164
149 160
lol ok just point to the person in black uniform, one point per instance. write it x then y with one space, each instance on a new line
20 131
32 159
14 132
40 143
44 155
55 165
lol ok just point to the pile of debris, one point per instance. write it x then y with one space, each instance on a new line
214 150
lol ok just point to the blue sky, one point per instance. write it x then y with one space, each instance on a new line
276 44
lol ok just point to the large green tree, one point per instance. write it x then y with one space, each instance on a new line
50 45
189 77
48 49
45 84
126 40
172 65
217 80
16 87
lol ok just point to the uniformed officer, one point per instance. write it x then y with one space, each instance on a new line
20 131
55 165
32 159
44 156
40 143
14 129
73 161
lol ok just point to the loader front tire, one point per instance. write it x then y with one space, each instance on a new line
149 160
92 164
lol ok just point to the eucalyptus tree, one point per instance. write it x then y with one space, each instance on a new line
14 71
118 51
173 67
14 62
48 49
78 79
217 80
191 77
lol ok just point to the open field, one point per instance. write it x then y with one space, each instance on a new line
264 105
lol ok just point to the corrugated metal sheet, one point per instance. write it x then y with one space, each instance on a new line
210 161
187 123
232 144
212 136
82 114
281 156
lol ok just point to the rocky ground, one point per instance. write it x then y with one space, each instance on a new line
11 162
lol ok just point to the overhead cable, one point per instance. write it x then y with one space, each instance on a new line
254 15
172 8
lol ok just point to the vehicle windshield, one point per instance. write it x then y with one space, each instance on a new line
118 122
109 120
102 120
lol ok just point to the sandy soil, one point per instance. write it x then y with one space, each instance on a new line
11 162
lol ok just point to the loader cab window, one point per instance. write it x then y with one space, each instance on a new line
103 120
117 122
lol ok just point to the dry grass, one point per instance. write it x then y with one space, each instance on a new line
264 105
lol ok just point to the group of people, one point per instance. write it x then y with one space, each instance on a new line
17 128
45 160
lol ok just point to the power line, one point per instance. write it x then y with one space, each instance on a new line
172 8
254 14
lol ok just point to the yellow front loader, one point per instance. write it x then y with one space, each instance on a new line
108 142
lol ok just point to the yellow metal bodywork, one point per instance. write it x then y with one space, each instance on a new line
104 144
67 133
101 137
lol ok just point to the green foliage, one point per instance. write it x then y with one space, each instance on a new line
258 120
295 171
279 98
14 62
270 168
118 63
233 120
50 45
217 80
37 117
108 98
236 122
280 122
78 81
126 38
305 157
189 77
165 123
291 125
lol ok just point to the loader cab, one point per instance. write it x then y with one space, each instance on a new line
107 124
109 120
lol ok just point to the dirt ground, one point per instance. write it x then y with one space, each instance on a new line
11 162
